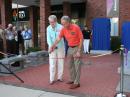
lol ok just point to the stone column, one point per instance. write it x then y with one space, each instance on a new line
44 13
6 12
33 13
67 8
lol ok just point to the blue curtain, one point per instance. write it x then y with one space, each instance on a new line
101 34
126 34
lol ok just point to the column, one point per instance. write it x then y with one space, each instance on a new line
6 12
44 13
67 8
33 13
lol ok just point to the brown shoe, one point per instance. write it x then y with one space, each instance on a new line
59 80
74 86
70 82
51 83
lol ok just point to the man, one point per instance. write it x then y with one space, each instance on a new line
58 54
86 34
20 41
74 37
2 38
1 33
27 36
10 38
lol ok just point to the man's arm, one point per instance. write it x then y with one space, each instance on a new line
54 45
80 44
81 39
49 39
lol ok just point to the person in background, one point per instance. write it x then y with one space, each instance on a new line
10 38
2 39
27 36
86 42
57 56
1 32
15 31
66 46
16 39
20 40
74 37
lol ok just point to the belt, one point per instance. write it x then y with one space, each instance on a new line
28 39
72 46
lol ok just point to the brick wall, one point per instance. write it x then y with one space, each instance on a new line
67 8
94 9
124 11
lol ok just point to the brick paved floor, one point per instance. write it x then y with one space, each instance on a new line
98 79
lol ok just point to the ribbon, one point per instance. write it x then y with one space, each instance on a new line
126 55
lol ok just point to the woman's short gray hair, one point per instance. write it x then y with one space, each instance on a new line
66 18
52 17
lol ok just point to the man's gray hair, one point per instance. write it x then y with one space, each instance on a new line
66 18
52 17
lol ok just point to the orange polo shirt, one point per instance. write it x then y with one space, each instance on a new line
72 34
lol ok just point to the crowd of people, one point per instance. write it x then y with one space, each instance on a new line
17 40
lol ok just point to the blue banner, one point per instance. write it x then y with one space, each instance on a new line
101 34
126 35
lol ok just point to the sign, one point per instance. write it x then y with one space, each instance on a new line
112 8
15 15
21 14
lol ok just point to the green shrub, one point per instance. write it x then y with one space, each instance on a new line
33 49
115 42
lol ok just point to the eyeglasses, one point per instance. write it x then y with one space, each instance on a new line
51 22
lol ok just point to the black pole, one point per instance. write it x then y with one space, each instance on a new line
121 92
11 72
122 69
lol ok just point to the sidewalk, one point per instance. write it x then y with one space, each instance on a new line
99 78
13 91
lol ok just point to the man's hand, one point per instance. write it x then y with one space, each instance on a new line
51 49
78 54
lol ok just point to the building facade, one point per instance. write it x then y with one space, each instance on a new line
81 11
